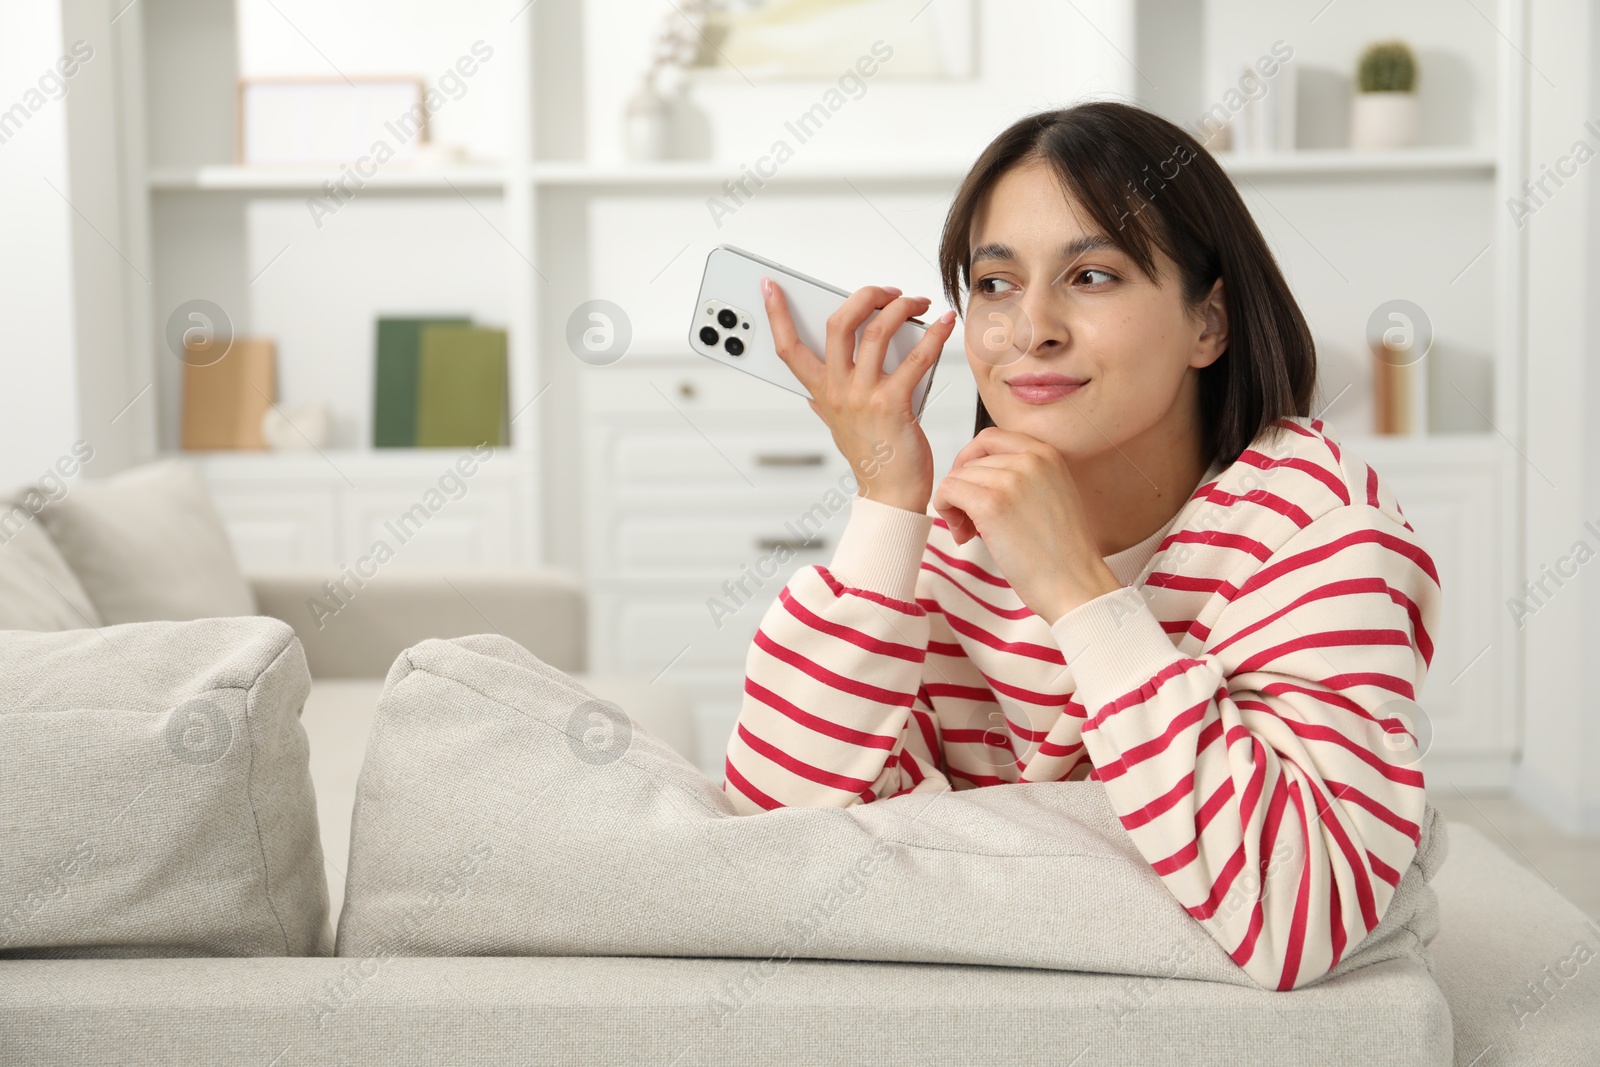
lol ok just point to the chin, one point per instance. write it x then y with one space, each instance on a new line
1047 423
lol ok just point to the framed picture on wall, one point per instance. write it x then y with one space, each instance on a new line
795 40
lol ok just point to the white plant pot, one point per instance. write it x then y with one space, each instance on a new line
1383 120
646 126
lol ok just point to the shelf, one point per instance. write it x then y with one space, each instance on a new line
331 463
310 180
1330 162
577 173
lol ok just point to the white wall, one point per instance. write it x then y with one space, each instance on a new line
1561 740
38 405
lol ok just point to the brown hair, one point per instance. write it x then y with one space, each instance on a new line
1147 183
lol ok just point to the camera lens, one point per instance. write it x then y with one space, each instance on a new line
727 318
708 336
734 346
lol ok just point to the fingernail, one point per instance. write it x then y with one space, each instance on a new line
948 317
766 287
892 289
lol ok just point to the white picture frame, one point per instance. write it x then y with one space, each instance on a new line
286 122
815 40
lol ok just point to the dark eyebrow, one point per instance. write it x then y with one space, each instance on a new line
1073 249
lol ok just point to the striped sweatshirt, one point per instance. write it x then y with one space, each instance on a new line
1244 698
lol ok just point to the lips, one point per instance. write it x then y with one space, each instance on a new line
1043 388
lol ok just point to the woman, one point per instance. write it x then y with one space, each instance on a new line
1151 566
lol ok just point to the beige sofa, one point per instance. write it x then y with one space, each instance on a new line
174 900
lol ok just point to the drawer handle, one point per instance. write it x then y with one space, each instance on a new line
772 544
790 459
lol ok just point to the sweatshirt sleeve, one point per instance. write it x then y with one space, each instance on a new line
1272 780
834 712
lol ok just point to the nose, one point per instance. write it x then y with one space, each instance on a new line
1041 320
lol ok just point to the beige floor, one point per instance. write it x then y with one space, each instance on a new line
1571 865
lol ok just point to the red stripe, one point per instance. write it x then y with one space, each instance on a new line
1056 748
946 648
959 692
1317 553
1219 888
1369 906
800 767
1017 648
904 607
1342 587
848 633
1326 639
1316 732
1372 486
1178 860
1336 931
741 783
1013 614
829 678
1029 696
1356 796
1157 745
1382 869
1264 850
815 723
978 780
1142 694
1302 907
1322 474
1242 542
1161 804
1189 583
965 565
1263 499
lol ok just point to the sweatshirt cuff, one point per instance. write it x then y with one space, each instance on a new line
881 549
1113 645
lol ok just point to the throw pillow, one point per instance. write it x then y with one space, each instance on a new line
38 590
155 793
502 810
148 544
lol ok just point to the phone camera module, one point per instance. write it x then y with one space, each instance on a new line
727 319
708 336
734 346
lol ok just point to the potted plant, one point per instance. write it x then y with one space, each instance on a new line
647 118
1384 111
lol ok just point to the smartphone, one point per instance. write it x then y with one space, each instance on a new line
730 320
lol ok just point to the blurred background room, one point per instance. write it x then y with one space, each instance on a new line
318 251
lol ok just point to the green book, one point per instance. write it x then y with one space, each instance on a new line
394 393
461 387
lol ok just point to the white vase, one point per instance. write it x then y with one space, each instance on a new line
645 125
1381 120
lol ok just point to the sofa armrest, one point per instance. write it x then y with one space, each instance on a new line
356 632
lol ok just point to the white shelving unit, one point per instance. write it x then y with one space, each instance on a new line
554 219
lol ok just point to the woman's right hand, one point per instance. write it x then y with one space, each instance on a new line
867 411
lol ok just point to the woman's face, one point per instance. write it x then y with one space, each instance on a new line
1068 341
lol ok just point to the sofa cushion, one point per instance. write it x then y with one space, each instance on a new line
148 544
155 798
1519 963
38 590
532 1012
503 810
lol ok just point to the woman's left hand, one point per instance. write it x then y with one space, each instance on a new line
1016 493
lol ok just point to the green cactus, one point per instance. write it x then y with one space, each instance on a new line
1387 66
